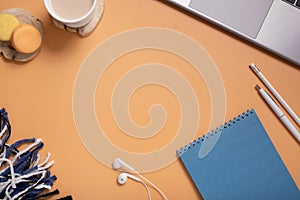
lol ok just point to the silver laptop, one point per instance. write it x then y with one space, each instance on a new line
271 24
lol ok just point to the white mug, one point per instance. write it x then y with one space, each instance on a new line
76 19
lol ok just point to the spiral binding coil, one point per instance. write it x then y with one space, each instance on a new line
215 131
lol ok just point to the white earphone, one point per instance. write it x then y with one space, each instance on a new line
123 177
118 163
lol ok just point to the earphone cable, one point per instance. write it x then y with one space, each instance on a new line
154 186
147 188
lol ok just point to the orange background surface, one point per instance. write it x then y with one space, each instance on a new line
38 96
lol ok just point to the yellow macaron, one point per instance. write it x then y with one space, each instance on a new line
26 38
8 23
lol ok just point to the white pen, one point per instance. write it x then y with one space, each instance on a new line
278 112
275 93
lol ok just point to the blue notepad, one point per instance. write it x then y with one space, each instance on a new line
241 164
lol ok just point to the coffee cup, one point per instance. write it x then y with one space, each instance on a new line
72 13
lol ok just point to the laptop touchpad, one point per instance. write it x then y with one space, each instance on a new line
245 16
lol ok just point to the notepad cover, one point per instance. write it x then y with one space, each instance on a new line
242 165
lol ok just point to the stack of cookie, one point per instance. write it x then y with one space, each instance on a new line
21 35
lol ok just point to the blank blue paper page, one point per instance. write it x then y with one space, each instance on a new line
242 165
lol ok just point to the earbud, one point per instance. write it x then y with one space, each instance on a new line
118 163
123 177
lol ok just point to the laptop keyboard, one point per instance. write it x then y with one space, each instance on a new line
295 3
